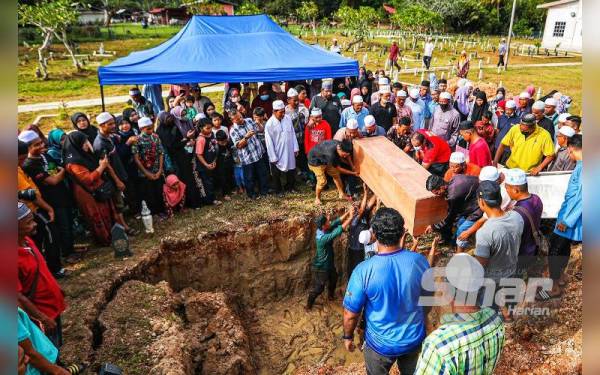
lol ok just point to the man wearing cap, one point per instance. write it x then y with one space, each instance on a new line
282 147
329 105
479 151
381 81
505 123
431 151
371 128
393 57
530 207
562 161
537 109
550 110
386 289
524 106
501 52
356 111
458 165
38 293
460 193
141 105
562 119
299 114
384 111
400 134
445 120
317 130
418 108
335 48
402 110
471 337
531 148
497 241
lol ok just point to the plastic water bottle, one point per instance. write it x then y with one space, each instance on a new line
147 218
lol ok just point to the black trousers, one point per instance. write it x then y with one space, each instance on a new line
558 255
427 61
46 238
320 278
354 258
151 192
63 220
290 179
378 364
500 60
132 196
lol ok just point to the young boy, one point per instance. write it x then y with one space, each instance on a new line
217 123
148 155
238 171
206 162
224 170
191 111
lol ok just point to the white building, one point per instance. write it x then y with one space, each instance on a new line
87 17
563 28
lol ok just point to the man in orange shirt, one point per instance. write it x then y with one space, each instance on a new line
458 165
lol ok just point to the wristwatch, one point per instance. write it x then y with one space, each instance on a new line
348 337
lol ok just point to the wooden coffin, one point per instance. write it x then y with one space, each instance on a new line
399 182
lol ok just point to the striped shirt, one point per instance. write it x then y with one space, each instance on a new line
465 343
254 149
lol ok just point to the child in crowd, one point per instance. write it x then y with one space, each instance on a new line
191 111
149 157
485 129
217 123
238 171
206 163
224 171
173 194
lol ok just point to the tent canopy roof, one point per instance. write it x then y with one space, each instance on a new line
227 49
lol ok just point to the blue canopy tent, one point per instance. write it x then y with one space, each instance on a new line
227 49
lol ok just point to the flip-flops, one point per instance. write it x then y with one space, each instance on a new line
542 296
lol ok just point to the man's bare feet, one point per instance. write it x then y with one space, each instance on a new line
318 201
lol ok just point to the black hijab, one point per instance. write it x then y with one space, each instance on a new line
367 84
479 110
169 134
127 114
124 135
90 132
73 152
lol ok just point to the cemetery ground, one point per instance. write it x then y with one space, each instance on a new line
132 312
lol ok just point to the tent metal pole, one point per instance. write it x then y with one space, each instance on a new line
102 97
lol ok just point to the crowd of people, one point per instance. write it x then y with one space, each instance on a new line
180 154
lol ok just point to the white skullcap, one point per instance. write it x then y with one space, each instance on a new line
357 99
144 122
316 112
538 104
369 120
104 117
551 102
278 105
465 273
461 82
22 210
414 93
28 136
469 84
515 177
445 95
364 237
563 117
383 81
352 124
385 89
567 131
524 95
199 116
457 158
345 102
292 92
401 94
511 104
489 173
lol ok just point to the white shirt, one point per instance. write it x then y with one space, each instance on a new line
335 48
281 143
224 128
428 49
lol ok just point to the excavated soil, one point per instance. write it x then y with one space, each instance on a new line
231 302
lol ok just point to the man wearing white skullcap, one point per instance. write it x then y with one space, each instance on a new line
550 110
505 122
384 110
357 111
345 103
537 109
445 120
317 130
402 110
485 341
141 105
349 132
562 160
458 165
282 148
28 136
372 129
299 115
418 109
524 104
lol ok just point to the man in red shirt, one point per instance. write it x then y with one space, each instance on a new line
38 293
317 130
393 56
431 151
479 151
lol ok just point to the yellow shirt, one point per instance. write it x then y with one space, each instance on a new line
25 182
527 153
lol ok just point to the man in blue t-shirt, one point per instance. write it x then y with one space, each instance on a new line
387 288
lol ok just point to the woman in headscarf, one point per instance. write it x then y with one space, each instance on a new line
128 137
88 174
480 106
174 144
82 123
365 91
173 194
185 126
55 140
462 65
493 103
461 101
132 117
264 100
362 76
